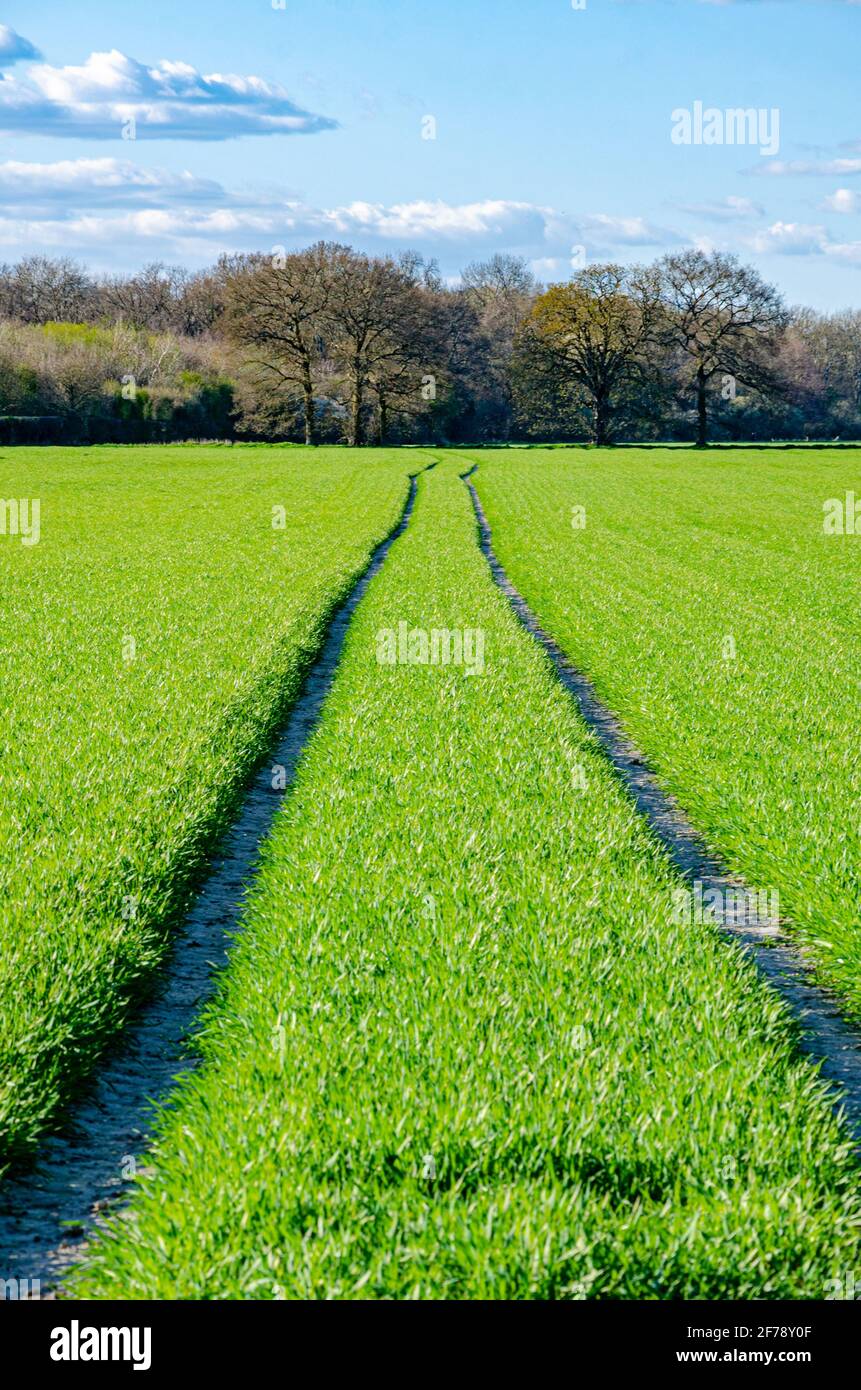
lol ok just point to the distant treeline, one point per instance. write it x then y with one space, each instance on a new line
328 345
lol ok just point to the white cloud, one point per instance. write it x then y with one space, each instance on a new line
791 238
800 239
172 101
422 221
235 219
842 200
109 210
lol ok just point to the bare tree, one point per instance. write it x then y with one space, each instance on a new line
819 366
502 277
375 319
200 304
41 290
725 320
146 300
421 272
501 290
276 308
400 376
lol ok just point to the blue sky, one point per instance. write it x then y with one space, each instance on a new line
258 127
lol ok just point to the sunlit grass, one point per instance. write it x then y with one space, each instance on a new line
462 1049
714 614
149 641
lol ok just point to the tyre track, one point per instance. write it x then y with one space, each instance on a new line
824 1035
83 1173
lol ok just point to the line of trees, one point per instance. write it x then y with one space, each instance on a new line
331 344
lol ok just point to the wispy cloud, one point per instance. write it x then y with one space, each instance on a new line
170 101
780 168
730 209
624 231
99 182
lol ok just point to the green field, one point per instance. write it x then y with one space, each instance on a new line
119 763
756 736
463 1047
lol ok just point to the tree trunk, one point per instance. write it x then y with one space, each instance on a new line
702 422
308 393
384 419
356 403
600 420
